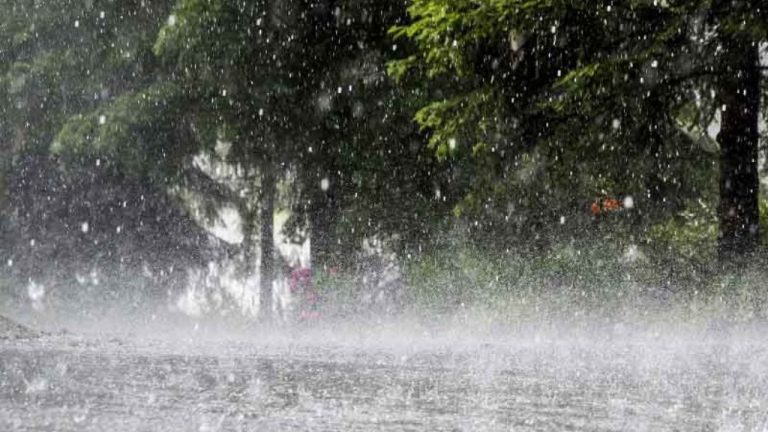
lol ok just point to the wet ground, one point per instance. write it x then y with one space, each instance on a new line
528 382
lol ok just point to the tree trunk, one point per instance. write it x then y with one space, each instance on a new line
5 215
266 272
247 214
249 217
739 92
4 211
322 220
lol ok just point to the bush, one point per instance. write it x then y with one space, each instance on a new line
617 280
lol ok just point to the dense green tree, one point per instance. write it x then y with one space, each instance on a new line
619 83
306 90
231 56
66 60
299 93
366 173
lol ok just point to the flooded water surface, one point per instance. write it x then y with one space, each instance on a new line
521 383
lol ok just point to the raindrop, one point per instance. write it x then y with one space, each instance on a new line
36 385
79 417
629 202
172 20
35 291
84 227
102 119
325 184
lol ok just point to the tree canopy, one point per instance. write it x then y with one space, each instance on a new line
631 85
523 123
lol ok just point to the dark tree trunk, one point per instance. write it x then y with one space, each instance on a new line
5 215
267 210
322 240
739 91
248 213
656 183
322 220
248 246
4 208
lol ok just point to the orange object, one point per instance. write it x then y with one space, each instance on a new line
611 204
605 205
595 208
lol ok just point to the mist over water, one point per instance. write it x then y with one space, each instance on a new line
459 371
580 349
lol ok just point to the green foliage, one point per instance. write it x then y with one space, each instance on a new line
525 112
65 61
562 279
691 235
139 131
615 98
591 280
339 294
64 65
293 87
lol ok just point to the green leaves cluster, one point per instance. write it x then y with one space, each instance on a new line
610 97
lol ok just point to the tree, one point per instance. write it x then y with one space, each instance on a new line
306 92
366 173
236 58
60 64
738 92
298 90
628 76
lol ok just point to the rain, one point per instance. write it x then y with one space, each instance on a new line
395 215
